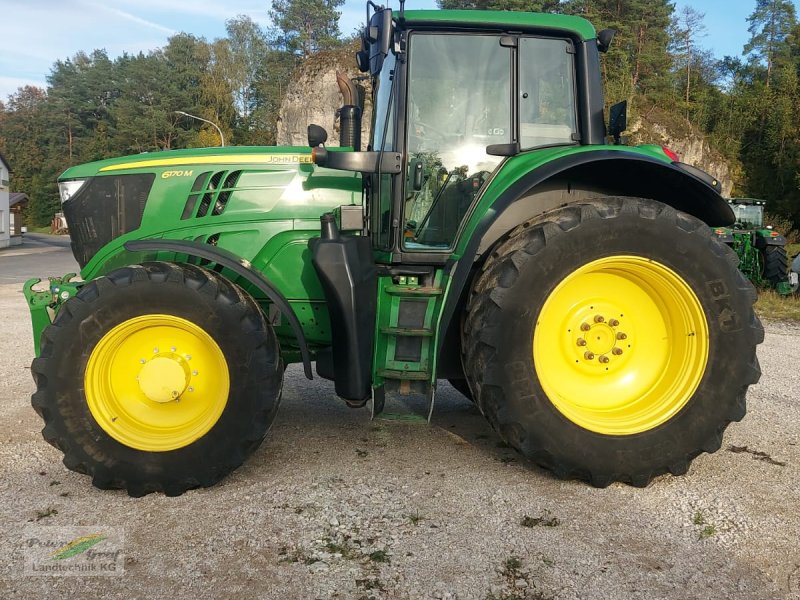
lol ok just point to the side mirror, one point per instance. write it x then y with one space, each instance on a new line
604 39
379 34
362 60
415 179
618 120
317 135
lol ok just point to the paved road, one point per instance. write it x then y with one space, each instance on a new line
40 255
335 506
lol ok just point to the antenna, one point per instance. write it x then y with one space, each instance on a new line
402 8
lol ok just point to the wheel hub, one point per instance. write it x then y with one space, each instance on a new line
601 340
164 378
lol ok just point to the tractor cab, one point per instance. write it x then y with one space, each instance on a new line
452 104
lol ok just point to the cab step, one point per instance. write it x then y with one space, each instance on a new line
402 290
404 375
407 331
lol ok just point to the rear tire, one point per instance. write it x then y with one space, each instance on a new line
157 378
623 257
776 265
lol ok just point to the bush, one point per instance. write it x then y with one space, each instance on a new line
784 226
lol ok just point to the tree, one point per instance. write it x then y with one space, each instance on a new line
82 90
637 64
687 29
770 23
307 25
26 140
248 52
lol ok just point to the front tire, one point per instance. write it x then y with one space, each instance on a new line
157 377
611 340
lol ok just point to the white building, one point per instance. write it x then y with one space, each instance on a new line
5 218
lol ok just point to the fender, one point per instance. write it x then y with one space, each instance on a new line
239 266
764 241
606 172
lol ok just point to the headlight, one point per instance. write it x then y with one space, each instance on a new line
68 189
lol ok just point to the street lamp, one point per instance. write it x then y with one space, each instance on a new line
185 114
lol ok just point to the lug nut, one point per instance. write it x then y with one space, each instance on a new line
172 349
585 327
588 355
194 373
599 318
622 336
616 351
604 359
191 389
141 360
581 342
613 322
155 350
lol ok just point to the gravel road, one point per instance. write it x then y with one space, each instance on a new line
334 505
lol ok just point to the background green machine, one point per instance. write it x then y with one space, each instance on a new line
493 233
761 250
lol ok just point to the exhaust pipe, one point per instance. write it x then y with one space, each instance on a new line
349 114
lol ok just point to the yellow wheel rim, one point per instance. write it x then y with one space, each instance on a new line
621 345
156 383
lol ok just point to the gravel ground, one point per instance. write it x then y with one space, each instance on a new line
334 505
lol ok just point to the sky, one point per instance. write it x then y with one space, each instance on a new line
36 33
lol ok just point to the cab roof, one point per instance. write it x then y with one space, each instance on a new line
505 19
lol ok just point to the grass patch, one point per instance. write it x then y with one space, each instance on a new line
771 305
792 250
345 548
293 555
47 512
708 531
415 518
511 566
379 556
43 229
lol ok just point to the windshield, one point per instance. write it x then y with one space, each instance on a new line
748 216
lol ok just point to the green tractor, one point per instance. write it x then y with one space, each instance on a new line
761 251
489 234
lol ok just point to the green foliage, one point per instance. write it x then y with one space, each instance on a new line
770 24
784 226
307 25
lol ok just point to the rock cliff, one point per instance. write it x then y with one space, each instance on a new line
313 97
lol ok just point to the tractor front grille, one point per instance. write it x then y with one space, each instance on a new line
106 208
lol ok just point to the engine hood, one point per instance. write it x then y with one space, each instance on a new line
194 157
